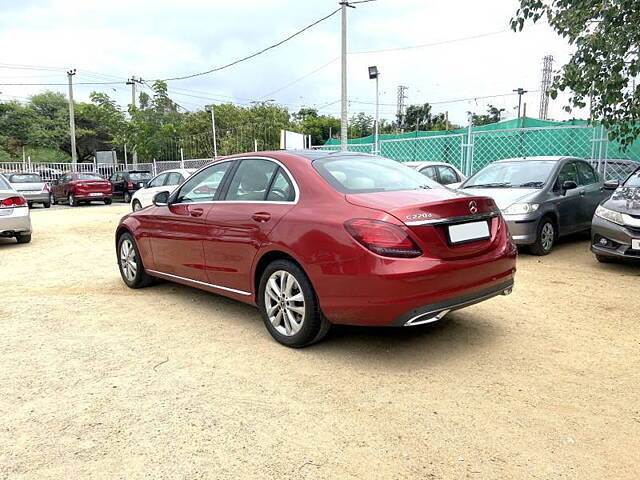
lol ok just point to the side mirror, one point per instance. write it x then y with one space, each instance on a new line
161 199
611 184
569 185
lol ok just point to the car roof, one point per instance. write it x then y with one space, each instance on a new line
548 158
426 164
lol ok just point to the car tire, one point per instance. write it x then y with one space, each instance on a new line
46 204
23 238
136 205
107 201
72 201
604 259
545 237
52 199
30 205
127 197
130 263
293 328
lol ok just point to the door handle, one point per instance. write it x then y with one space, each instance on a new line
582 192
196 212
261 217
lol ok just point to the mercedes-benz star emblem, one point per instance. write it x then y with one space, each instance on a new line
473 207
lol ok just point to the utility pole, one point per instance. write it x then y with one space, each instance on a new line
545 84
343 78
133 81
520 92
72 122
375 74
213 127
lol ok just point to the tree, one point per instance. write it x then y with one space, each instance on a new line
100 125
320 127
360 125
493 115
605 62
418 117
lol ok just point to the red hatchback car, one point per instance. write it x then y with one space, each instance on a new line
315 238
80 187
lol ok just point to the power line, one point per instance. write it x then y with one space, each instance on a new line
217 69
300 79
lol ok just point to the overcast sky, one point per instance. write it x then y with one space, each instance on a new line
112 40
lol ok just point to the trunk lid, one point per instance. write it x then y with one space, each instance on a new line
429 215
93 186
28 187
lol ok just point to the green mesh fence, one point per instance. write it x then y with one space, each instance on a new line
526 137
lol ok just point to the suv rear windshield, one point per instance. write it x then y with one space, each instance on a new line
140 176
25 178
89 176
369 174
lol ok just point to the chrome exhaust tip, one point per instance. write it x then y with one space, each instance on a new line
423 319
507 291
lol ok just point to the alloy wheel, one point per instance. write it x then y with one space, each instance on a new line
128 260
284 303
546 236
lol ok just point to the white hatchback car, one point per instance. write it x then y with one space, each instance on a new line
441 172
166 181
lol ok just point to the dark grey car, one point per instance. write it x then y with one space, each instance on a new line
615 231
541 198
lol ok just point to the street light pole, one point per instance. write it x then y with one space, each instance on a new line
520 92
375 74
343 79
72 122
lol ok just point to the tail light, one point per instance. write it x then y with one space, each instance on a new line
129 186
13 202
383 238
45 188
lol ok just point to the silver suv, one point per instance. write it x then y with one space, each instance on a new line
541 198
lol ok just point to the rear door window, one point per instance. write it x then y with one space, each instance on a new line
174 178
251 181
586 175
430 172
159 180
447 175
281 189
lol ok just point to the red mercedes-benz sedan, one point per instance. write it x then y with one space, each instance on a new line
315 238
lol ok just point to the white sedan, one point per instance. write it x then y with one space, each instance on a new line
163 182
441 172
14 214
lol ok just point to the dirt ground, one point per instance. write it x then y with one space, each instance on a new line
99 381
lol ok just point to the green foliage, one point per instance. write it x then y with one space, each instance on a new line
360 125
493 115
606 58
320 127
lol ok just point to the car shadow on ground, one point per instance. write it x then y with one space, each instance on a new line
461 332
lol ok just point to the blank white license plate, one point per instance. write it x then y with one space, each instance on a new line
635 244
95 194
467 232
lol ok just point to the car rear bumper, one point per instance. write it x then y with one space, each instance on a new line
523 228
394 292
618 239
36 197
436 311
16 221
87 196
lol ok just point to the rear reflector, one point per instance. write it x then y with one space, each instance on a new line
382 238
13 202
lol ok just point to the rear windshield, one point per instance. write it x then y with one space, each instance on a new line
633 180
368 174
3 184
89 176
140 176
25 178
